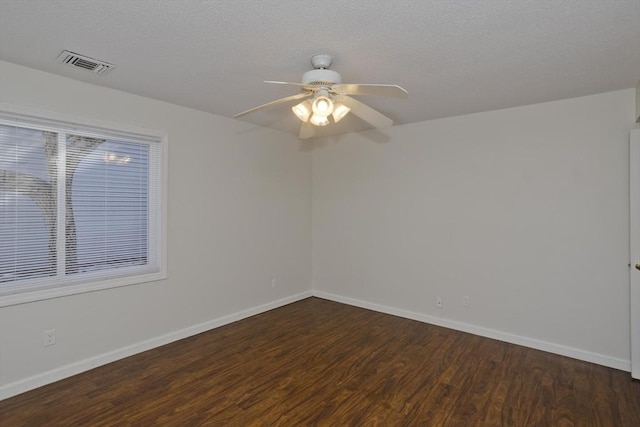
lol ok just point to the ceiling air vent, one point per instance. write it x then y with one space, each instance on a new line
84 62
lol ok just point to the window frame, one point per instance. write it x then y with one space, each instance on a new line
13 115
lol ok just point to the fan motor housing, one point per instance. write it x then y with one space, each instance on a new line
321 77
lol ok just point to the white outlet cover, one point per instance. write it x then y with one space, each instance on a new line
49 337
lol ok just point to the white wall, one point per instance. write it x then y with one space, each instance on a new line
524 210
239 215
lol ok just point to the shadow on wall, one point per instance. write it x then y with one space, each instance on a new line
377 136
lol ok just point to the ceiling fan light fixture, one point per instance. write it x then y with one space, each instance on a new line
322 106
339 111
322 94
319 120
302 110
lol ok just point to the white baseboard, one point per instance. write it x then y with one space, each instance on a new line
21 386
39 380
587 356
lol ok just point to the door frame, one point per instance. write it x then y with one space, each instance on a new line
634 249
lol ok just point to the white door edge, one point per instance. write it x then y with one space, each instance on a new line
634 249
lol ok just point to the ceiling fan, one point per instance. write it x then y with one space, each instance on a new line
324 95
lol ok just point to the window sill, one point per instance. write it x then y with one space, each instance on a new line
63 291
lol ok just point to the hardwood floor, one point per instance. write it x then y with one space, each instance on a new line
317 362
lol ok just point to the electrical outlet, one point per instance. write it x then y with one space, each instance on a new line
274 283
438 302
49 337
465 302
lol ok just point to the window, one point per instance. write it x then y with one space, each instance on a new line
81 208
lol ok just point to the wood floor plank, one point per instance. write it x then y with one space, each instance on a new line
321 363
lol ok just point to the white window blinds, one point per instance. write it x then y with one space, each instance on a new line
28 204
77 208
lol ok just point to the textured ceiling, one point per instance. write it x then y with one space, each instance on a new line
453 57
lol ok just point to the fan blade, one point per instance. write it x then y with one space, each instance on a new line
276 102
302 85
366 113
283 83
306 131
389 91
